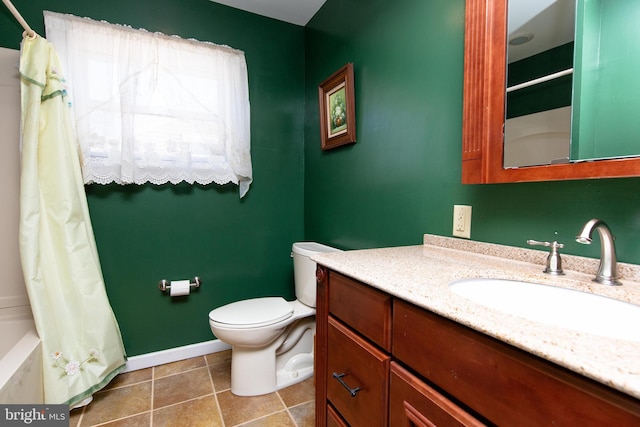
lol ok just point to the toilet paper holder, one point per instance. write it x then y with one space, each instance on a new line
165 285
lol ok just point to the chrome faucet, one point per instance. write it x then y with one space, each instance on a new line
608 269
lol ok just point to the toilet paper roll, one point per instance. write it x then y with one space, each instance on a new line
179 288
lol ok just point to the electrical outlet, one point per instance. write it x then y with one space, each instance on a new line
462 221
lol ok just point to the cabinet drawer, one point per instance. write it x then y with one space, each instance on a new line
365 309
334 419
361 367
412 402
502 383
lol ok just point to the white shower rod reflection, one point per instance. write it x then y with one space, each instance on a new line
540 80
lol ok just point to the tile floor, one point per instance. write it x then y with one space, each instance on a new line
193 392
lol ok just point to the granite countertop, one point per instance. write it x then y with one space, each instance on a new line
421 274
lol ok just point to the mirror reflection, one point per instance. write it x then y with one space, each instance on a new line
606 86
540 57
558 111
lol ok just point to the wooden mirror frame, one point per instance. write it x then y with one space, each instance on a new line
484 109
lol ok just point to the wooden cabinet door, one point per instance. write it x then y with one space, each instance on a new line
357 377
414 403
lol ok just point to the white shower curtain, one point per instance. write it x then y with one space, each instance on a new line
81 340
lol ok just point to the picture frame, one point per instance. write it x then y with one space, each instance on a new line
337 109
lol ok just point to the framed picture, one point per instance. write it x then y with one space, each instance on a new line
337 109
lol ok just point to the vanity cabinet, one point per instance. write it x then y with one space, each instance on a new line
383 361
357 384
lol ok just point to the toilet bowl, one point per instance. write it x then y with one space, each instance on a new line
271 338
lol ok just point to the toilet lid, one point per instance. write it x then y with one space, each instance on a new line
253 312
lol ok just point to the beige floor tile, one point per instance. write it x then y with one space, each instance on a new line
183 396
180 387
142 420
279 419
117 403
178 367
75 416
298 393
193 413
221 376
129 378
219 357
240 409
304 415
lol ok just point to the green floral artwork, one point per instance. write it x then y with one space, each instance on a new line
337 111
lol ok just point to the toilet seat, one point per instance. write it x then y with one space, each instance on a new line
252 313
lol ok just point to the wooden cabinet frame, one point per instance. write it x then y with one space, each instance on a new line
484 109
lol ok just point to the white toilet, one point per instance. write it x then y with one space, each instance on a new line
272 338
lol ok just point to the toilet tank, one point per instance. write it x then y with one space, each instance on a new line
304 270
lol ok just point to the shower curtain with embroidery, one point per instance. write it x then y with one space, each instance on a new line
81 340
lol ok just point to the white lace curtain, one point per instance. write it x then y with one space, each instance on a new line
148 107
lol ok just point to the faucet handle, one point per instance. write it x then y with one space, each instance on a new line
552 244
554 262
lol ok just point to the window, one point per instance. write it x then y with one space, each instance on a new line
148 107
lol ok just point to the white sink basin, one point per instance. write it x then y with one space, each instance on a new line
564 308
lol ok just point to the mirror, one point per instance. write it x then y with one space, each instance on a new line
484 104
540 51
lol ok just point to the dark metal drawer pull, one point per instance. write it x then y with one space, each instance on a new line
352 391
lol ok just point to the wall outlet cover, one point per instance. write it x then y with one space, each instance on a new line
462 221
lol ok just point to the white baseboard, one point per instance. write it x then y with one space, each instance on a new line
174 354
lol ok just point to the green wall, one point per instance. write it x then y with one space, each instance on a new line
402 177
240 248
